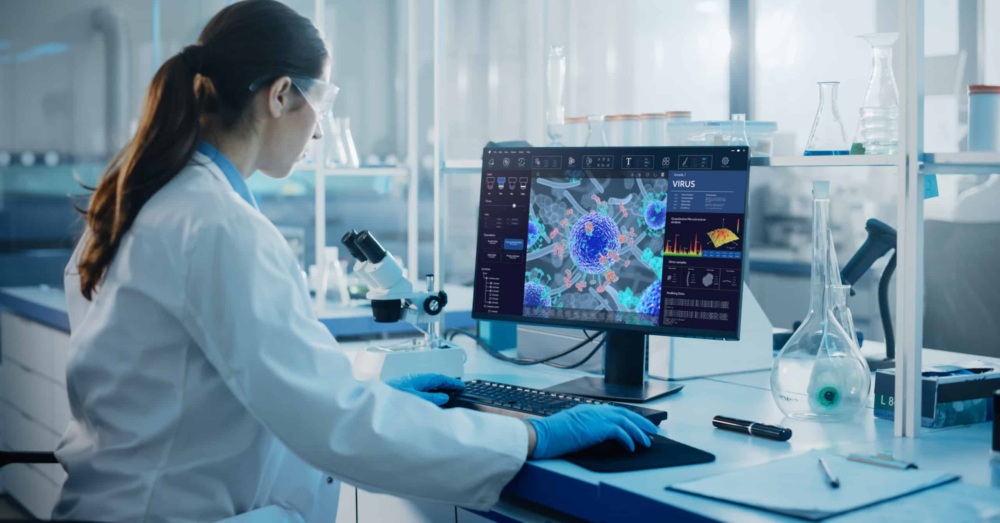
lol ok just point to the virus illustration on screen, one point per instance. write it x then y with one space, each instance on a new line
597 245
593 241
536 231
654 214
649 302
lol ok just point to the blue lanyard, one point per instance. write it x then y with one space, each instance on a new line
232 173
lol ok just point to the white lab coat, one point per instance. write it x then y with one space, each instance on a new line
203 387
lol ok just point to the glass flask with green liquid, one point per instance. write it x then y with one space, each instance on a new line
820 373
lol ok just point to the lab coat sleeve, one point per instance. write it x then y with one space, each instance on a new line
247 307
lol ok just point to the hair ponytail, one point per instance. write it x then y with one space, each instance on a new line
163 144
185 87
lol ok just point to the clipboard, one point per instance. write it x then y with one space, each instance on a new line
797 487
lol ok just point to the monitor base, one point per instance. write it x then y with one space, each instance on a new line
598 388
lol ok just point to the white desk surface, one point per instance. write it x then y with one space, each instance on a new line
960 450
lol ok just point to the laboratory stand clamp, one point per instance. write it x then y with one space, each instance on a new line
393 299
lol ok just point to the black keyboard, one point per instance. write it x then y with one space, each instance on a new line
522 402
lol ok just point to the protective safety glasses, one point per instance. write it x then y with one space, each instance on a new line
319 95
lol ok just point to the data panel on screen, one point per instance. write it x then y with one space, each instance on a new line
645 238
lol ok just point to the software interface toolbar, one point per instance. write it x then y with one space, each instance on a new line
646 236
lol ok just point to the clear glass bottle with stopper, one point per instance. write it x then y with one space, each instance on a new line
820 373
878 125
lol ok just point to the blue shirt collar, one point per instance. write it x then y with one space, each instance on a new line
229 170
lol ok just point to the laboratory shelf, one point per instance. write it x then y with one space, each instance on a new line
846 160
961 163
475 166
462 167
365 171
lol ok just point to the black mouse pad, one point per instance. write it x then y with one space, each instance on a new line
610 456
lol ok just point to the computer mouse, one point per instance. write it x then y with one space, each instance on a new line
612 448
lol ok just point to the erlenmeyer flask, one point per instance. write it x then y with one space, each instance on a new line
555 87
595 131
879 128
827 136
820 373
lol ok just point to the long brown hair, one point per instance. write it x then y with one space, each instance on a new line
243 44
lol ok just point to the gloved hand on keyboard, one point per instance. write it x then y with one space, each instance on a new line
587 425
420 384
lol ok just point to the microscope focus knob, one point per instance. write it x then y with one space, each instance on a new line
433 305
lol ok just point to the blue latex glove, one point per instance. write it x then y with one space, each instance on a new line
587 425
420 384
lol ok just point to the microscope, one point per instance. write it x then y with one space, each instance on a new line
393 299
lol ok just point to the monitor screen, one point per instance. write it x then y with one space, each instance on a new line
634 238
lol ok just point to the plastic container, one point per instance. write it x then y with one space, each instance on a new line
760 135
622 129
984 118
653 128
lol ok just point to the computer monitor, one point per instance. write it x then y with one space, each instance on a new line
630 240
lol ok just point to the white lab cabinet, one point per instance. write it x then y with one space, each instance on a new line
381 507
34 409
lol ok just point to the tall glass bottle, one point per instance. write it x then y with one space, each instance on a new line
879 123
820 373
555 88
827 136
595 131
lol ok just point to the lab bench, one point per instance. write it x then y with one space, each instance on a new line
35 350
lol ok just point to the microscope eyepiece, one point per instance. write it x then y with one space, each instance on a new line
350 240
371 248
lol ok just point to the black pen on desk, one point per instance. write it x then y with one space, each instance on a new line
833 480
754 429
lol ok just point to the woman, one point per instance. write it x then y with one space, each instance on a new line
202 387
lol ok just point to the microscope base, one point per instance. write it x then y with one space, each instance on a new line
376 362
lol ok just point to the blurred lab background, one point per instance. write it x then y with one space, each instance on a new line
73 74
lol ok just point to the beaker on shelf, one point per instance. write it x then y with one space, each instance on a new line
820 373
555 87
595 131
738 135
879 130
348 139
827 136
336 153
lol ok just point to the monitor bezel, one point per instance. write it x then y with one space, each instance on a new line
646 329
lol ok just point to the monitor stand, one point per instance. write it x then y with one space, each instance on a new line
625 361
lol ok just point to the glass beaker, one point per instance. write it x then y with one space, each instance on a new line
738 135
348 138
336 154
827 136
820 373
878 125
595 131
555 87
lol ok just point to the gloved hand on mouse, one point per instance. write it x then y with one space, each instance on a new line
587 425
